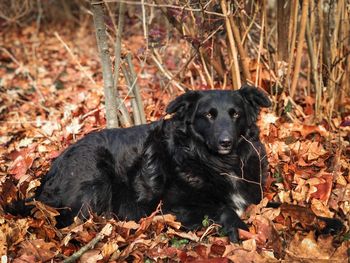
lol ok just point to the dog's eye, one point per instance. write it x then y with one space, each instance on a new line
235 115
209 116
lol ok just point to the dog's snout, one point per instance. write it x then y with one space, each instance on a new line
225 142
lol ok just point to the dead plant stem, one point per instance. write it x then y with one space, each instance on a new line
260 44
136 89
234 67
131 85
241 50
303 20
124 114
292 36
314 73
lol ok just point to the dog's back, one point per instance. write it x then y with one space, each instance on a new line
91 175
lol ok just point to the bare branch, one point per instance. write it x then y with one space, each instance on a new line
124 114
106 231
136 89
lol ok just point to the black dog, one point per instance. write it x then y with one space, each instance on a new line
194 162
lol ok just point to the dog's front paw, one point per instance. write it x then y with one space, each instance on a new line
233 235
231 222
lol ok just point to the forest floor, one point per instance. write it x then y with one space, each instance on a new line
51 95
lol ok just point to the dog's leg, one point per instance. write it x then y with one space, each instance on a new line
192 216
230 222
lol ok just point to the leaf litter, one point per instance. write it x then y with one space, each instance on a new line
309 173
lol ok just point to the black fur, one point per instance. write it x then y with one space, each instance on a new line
191 162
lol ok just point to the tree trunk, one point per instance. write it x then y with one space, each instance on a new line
102 42
283 17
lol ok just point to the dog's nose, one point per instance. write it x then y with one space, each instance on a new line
225 142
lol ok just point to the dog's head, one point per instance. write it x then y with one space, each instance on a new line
218 117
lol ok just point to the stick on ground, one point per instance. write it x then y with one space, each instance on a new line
106 231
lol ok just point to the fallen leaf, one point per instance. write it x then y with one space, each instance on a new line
91 256
302 248
41 250
324 187
23 162
186 235
320 208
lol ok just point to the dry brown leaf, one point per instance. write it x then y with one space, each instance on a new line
322 186
12 232
23 162
217 250
91 256
128 224
43 211
41 250
245 256
308 248
305 130
342 252
315 150
187 235
109 248
168 219
320 208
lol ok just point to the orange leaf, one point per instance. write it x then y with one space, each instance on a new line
23 162
324 189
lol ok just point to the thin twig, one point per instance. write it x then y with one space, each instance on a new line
192 56
297 107
207 74
38 19
208 230
245 34
131 84
144 25
260 165
76 60
155 57
106 231
179 27
166 6
136 89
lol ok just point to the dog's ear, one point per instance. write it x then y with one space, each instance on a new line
255 96
182 105
255 99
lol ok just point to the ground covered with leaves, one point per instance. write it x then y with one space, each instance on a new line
51 95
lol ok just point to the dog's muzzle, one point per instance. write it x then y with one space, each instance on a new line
225 145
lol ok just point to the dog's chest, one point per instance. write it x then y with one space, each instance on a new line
239 202
224 187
